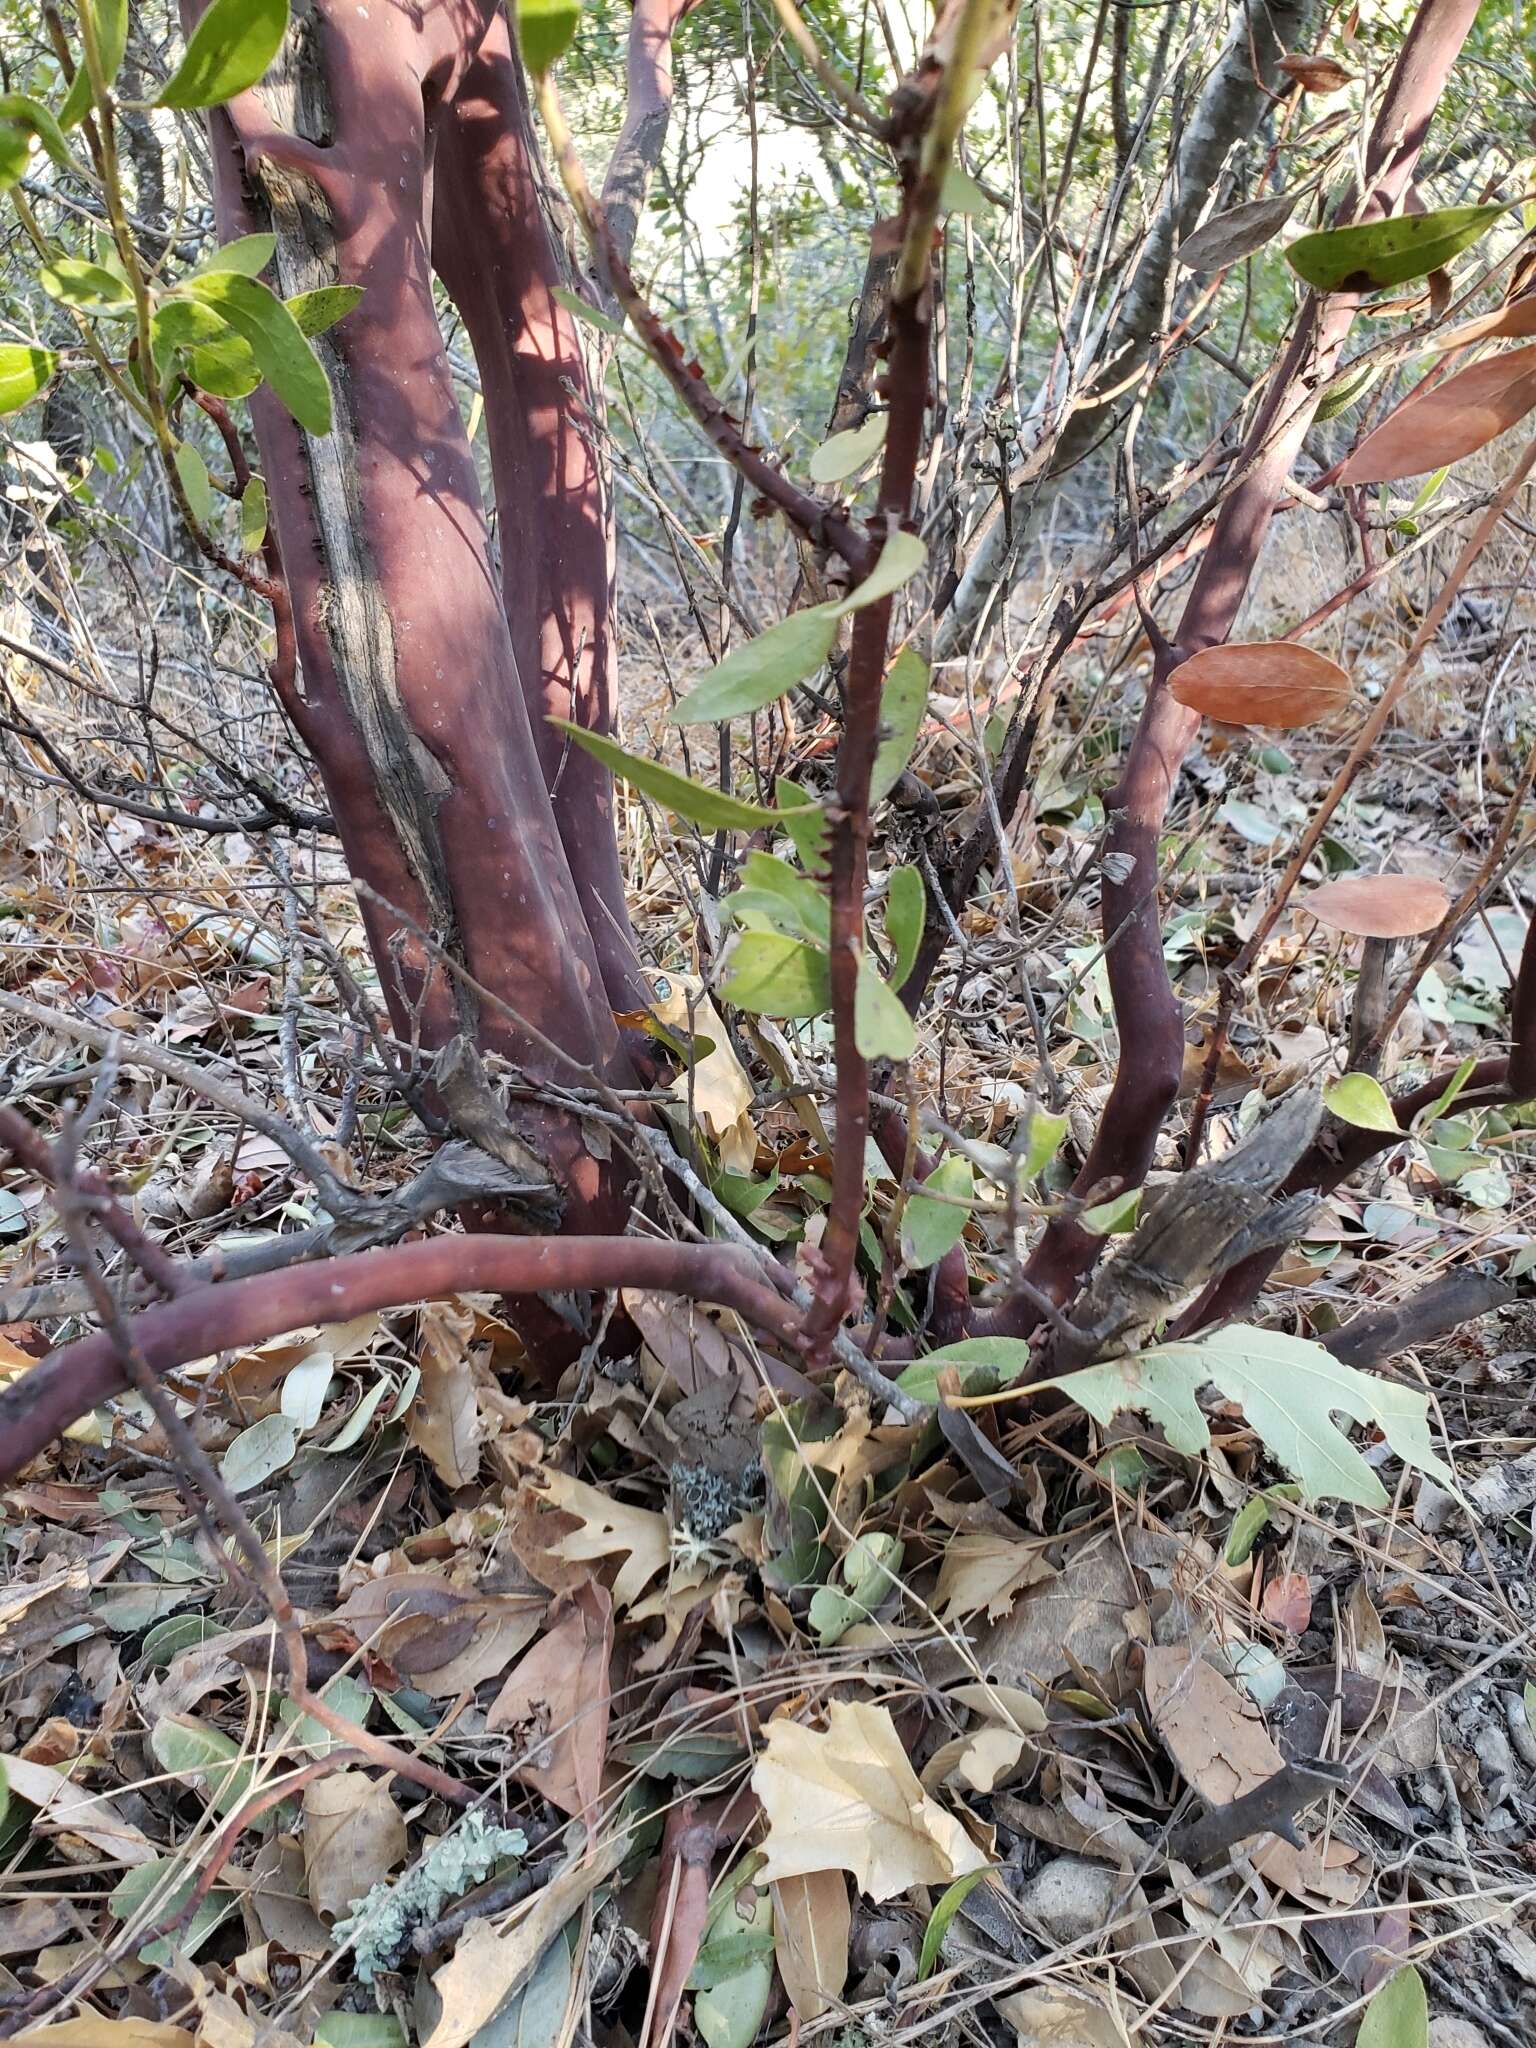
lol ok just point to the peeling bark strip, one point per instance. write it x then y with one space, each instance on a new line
412 687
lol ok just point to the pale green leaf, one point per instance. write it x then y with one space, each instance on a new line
1042 1141
352 1429
760 670
688 799
85 287
1360 1099
249 254
189 1748
1249 1522
906 907
842 454
253 516
962 194
981 1364
230 50
583 310
1398 2015
260 1451
1288 1389
109 18
305 1387
1113 1218
930 1228
545 31
775 896
130 1899
775 976
1379 253
804 821
193 472
882 1027
900 559
25 374
954 1897
340 2029
729 2012
903 699
20 120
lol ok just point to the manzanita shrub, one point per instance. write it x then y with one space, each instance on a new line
459 700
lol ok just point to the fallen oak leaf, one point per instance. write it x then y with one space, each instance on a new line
354 1836
605 1528
848 1799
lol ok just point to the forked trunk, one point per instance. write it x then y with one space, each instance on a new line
415 699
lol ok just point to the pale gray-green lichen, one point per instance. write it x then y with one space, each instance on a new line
380 1925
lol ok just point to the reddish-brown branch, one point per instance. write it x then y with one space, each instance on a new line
70 1382
493 247
849 821
1149 1016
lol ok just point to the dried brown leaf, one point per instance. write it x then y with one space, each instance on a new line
849 1799
444 1421
1379 906
354 1837
811 1926
555 1704
1449 421
1273 683
1223 1749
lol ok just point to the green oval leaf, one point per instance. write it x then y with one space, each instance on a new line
545 31
775 976
253 516
1379 253
1113 1218
882 1027
906 908
320 309
25 374
932 1228
21 119
981 1363
256 1453
842 454
804 821
903 700
753 674
193 472
1398 2016
709 807
900 559
282 351
85 287
231 48
249 254
1360 1099
109 19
